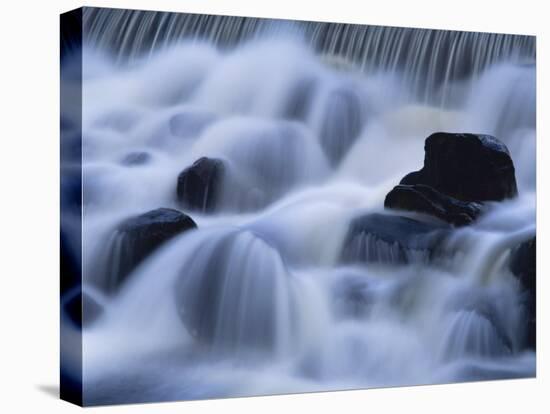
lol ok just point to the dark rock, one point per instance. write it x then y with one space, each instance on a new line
424 199
81 309
468 167
342 123
137 237
392 239
199 185
136 158
523 264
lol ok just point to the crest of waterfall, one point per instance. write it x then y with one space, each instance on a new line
428 58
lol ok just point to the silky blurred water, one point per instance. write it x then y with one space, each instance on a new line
310 145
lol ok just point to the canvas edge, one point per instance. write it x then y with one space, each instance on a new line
70 372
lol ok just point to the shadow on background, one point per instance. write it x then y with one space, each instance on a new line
51 390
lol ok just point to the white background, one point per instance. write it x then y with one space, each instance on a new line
29 207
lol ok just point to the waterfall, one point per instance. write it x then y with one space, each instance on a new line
427 57
296 279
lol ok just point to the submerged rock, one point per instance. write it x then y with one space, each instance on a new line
120 120
352 297
392 239
299 101
137 237
424 199
472 334
468 167
258 161
189 124
478 325
523 264
342 123
199 185
136 158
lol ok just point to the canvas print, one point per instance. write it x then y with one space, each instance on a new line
258 206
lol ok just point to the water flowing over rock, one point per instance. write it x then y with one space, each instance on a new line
479 324
471 334
523 264
137 237
424 199
262 160
468 167
299 102
352 297
342 120
296 279
189 124
199 185
235 294
392 239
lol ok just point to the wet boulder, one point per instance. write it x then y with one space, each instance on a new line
137 237
425 199
392 239
199 185
467 167
523 264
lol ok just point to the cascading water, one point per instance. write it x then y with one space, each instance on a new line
314 123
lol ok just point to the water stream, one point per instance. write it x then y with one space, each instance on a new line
316 122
